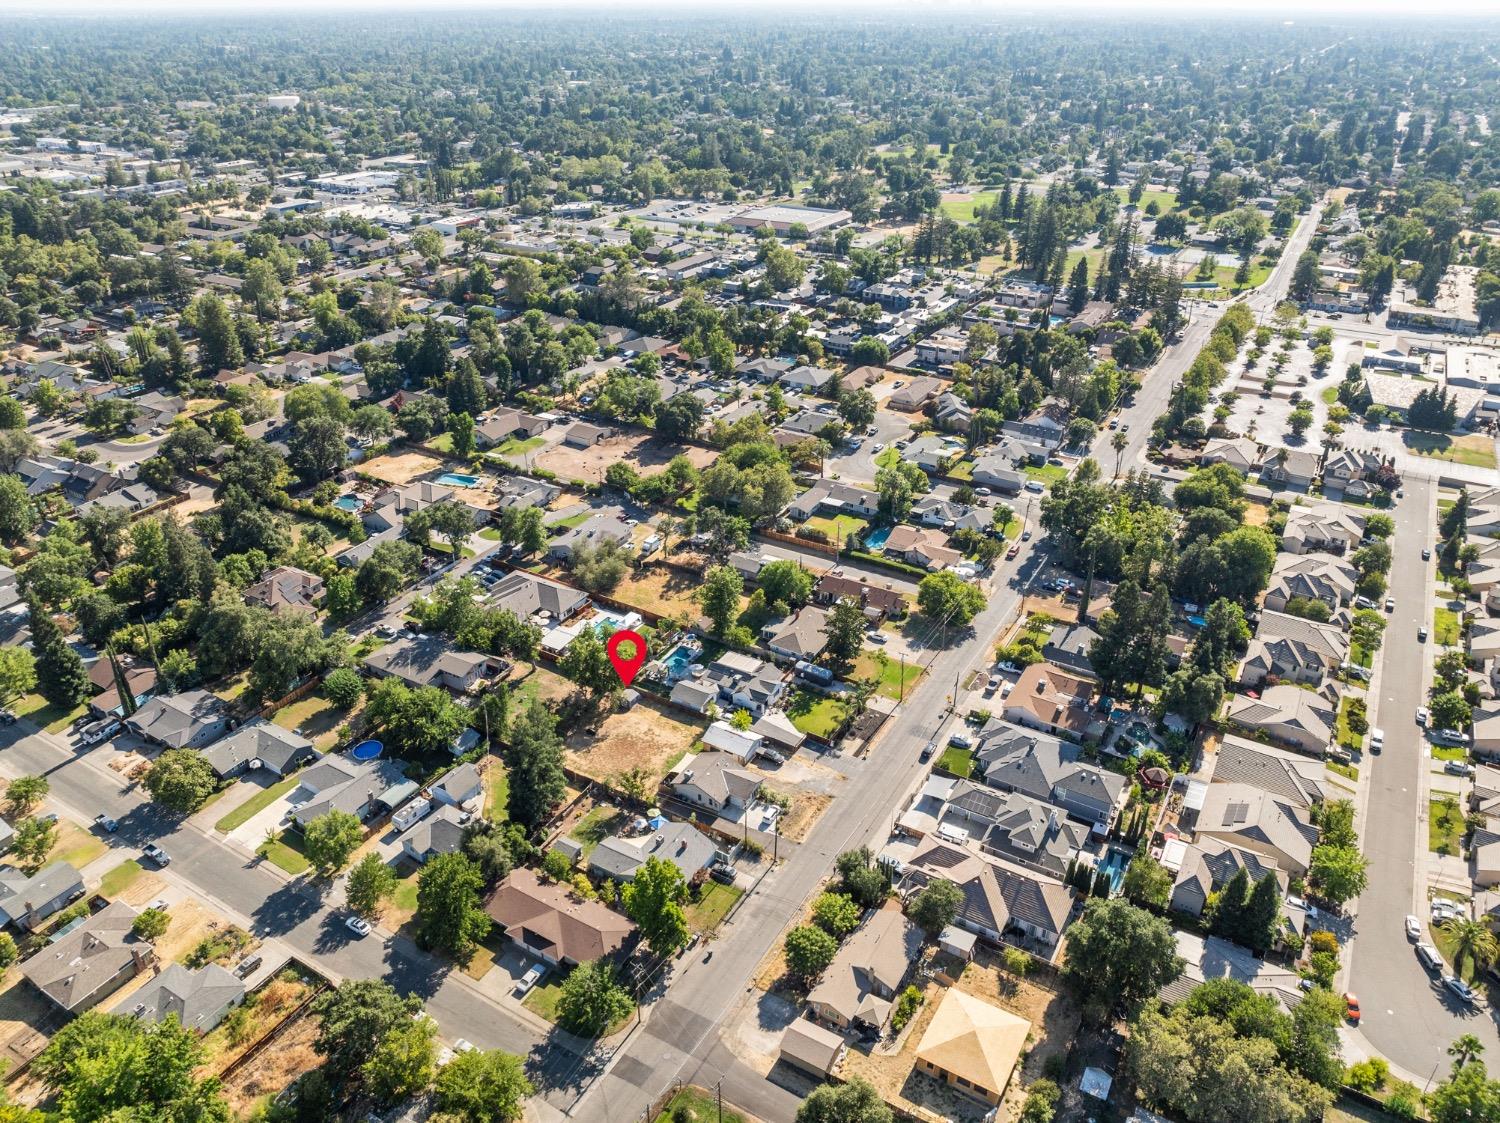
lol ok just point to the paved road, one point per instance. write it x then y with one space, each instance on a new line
305 919
1407 1018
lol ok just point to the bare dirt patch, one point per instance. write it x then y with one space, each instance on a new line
807 808
643 737
642 452
663 590
263 1011
400 468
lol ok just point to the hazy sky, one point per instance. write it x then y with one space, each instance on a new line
1282 8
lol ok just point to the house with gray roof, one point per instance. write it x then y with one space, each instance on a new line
1068 647
999 900
606 525
528 595
188 720
1045 768
459 787
1319 577
92 961
28 901
198 999
798 636
1026 831
338 782
744 681
715 781
1287 713
442 832
859 988
1294 649
1285 774
833 497
1210 864
1252 819
259 744
432 660
682 844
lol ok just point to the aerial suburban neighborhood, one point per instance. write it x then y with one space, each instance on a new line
777 567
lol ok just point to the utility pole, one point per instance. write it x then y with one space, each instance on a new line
902 688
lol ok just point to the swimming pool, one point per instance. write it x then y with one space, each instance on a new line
348 503
366 750
679 660
1113 867
455 479
875 540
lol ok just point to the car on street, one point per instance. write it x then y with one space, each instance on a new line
926 754
1429 957
983 491
1377 740
358 925
877 447
1025 536
1423 715
1390 604
1422 634
530 979
386 631
1461 990
1351 1008
1426 554
1413 928
1363 602
1012 552
7 717
105 823
156 854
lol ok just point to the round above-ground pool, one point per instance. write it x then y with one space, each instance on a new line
366 750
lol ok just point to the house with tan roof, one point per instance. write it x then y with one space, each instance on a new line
1252 819
549 922
1327 527
1289 714
972 1045
1319 577
999 900
922 546
1048 698
286 589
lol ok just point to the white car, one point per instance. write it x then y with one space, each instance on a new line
358 925
1036 486
1413 928
1423 715
1377 740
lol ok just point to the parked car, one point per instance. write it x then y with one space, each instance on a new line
1450 737
7 717
1423 715
983 491
961 741
156 854
1461 990
1012 552
1351 1008
101 730
358 925
1458 768
105 823
246 967
1010 668
724 875
1390 604
387 631
1035 485
1422 634
1025 536
1426 554
992 685
926 754
1413 928
530 979
1429 957
1377 740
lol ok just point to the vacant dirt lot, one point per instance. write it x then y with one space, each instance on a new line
668 592
644 453
401 468
644 737
275 1067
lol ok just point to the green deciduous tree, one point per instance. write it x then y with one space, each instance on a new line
592 1000
719 595
404 1062
836 914
537 781
935 906
809 951
181 780
450 915
369 883
1117 958
330 839
948 599
483 1087
855 1101
354 1018
654 899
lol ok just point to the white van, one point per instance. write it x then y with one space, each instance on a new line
1429 957
1377 740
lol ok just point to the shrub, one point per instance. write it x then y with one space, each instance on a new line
911 999
1368 1076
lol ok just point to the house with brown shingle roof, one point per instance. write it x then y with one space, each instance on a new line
549 922
286 589
1050 699
92 961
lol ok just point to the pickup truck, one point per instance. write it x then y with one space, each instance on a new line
156 854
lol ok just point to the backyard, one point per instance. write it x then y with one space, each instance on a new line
646 736
315 718
815 714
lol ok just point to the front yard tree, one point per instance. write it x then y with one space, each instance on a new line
948 599
854 1102
1117 958
537 781
449 913
935 907
25 792
836 914
1450 711
181 780
786 582
330 840
34 841
1339 872
864 879
17 673
653 899
354 1018
370 882
404 1063
150 924
857 408
592 1000
809 951
483 1086
719 596
59 671
846 633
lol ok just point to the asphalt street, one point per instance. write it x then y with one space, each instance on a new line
1408 1016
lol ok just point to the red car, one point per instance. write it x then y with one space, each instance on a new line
1012 552
1351 1008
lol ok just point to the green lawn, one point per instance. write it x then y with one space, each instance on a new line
703 1105
117 880
315 718
405 895
1348 771
77 847
888 673
839 527
54 719
1476 451
888 458
705 914
542 999
962 470
490 534
1095 257
497 784
1445 626
254 805
814 714
571 521
443 442
1049 474
515 446
1444 943
595 827
1342 733
958 761
1165 200
285 851
1444 835
962 210
1450 752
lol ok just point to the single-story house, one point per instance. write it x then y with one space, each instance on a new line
188 720
1324 526
528 595
549 922
798 636
458 787
431 660
441 832
877 601
1068 647
1290 468
860 986
362 788
27 901
715 780
998 900
724 737
92 961
682 844
259 744
199 998
972 1045
836 497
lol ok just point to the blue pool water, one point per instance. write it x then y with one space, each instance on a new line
1113 867
454 479
876 538
678 660
366 750
348 503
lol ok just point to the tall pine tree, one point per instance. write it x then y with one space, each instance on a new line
60 675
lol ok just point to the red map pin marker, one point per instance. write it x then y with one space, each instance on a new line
627 662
